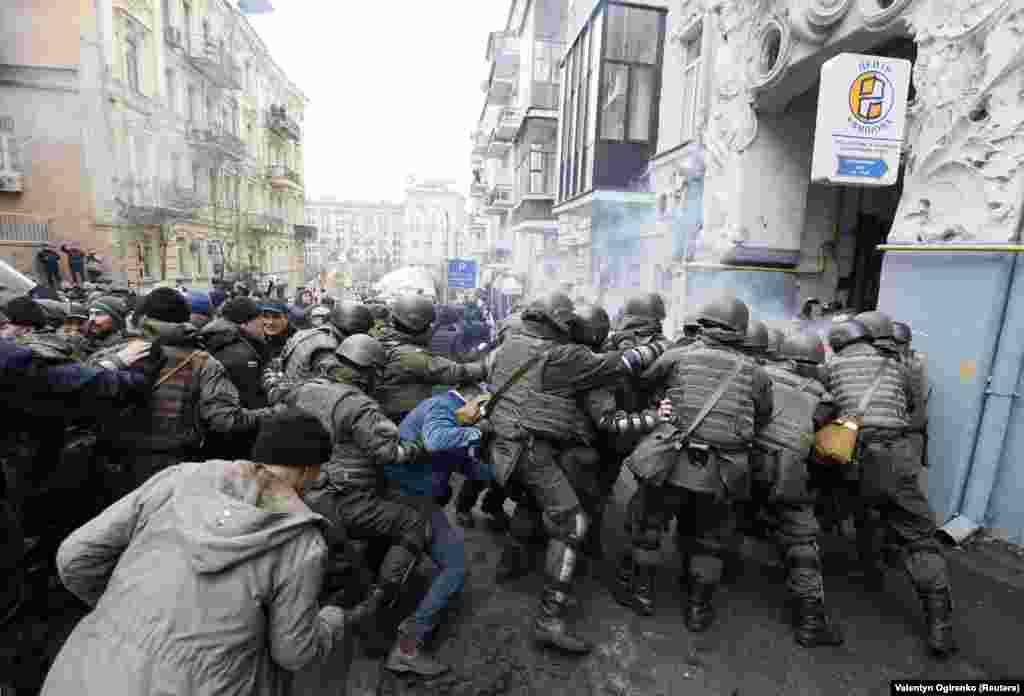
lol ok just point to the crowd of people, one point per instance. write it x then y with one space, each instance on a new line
242 482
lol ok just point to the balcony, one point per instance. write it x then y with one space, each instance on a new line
209 58
502 65
536 175
509 121
279 122
479 139
266 222
144 201
496 147
217 138
281 177
499 199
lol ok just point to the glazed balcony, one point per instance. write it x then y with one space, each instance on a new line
209 58
509 121
279 122
283 178
536 174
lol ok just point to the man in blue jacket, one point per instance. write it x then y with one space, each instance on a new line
449 427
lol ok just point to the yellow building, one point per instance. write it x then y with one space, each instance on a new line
190 141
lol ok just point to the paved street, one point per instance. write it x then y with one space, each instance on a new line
749 651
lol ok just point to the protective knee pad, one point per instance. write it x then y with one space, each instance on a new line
926 566
570 528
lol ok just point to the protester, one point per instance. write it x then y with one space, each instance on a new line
76 262
204 580
276 326
201 310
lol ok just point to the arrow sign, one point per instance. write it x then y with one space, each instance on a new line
855 166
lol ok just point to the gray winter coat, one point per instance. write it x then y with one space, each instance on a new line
202 581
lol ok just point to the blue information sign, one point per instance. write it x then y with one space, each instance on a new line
857 166
461 273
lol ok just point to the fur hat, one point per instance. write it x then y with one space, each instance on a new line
24 311
240 310
165 304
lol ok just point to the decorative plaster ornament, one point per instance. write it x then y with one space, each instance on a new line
770 52
814 20
949 19
880 14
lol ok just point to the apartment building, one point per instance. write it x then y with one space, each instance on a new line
186 139
435 223
358 241
514 156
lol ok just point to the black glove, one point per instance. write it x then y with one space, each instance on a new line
152 364
485 427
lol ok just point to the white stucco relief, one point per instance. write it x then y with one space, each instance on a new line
966 127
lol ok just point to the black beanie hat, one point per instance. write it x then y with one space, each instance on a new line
240 310
112 305
24 311
165 304
292 438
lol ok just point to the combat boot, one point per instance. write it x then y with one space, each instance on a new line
811 624
549 627
516 562
407 656
938 612
634 586
700 613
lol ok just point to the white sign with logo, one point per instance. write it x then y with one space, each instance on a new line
862 108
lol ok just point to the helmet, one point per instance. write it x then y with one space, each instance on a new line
802 347
901 333
879 324
414 313
327 301
691 327
725 311
775 338
55 310
362 350
757 338
592 325
649 304
379 312
555 308
847 333
510 324
351 317
319 312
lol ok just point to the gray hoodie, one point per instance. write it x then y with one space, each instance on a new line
204 580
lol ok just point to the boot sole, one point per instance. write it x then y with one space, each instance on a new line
405 669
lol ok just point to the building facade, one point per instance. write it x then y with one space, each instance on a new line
189 142
358 241
514 158
435 223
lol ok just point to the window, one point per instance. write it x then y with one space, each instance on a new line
628 83
692 79
172 96
191 106
132 64
186 15
632 35
8 154
613 109
166 4
175 170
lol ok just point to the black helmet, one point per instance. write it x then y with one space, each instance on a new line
757 338
691 327
802 347
901 333
725 311
55 310
379 312
592 325
327 301
351 318
775 339
413 313
650 304
555 308
878 323
362 350
847 333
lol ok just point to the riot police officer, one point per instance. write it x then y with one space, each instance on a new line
888 469
303 352
720 397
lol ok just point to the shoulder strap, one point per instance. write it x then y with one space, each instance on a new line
519 373
714 398
177 368
865 400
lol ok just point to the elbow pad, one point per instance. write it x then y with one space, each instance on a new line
622 423
643 356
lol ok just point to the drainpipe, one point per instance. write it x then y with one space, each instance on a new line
977 476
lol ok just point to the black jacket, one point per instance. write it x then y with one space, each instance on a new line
242 357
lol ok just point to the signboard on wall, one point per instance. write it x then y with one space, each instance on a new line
862 107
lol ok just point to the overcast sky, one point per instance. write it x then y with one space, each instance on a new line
394 87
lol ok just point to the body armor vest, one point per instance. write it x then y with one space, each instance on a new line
695 377
851 373
795 400
298 354
397 394
321 398
525 406
50 346
171 421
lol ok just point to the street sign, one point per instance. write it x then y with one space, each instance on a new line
862 106
462 273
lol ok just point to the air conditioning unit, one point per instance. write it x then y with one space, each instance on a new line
10 182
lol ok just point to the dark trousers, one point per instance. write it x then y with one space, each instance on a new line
494 496
53 278
77 275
